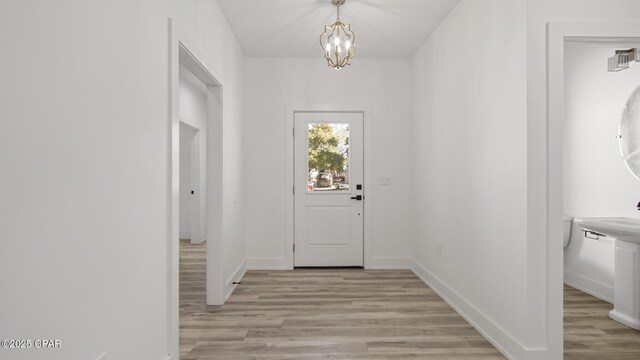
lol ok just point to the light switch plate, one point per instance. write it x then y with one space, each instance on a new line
102 356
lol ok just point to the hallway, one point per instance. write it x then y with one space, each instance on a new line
321 314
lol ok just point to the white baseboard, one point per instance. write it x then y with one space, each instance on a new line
278 263
185 235
389 263
267 263
237 275
592 287
505 343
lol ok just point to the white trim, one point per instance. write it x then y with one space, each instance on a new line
368 182
281 263
558 33
185 235
505 343
237 275
173 194
587 285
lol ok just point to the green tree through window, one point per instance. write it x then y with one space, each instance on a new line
328 148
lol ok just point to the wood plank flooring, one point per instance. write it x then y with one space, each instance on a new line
590 334
347 314
350 314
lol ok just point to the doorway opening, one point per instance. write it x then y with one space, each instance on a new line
190 185
587 178
199 97
195 187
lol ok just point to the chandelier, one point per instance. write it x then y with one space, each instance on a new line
337 41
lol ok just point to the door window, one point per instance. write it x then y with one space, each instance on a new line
328 157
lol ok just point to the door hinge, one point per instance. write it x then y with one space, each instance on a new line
294 132
294 247
294 189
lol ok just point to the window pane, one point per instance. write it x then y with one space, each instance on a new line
328 150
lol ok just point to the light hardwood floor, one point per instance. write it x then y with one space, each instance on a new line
322 314
589 334
350 314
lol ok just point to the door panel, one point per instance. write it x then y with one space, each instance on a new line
331 226
328 166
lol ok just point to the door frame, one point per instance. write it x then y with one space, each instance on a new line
558 34
367 115
180 53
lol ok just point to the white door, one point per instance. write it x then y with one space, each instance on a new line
329 189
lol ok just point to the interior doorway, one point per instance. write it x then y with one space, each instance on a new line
196 100
199 104
584 106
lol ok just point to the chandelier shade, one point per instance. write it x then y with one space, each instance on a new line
337 41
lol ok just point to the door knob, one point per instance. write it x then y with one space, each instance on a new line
357 197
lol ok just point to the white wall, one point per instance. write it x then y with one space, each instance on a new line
548 282
596 180
192 109
380 85
469 173
84 180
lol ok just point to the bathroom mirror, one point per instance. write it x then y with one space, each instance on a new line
629 133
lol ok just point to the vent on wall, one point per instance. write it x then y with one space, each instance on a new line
621 59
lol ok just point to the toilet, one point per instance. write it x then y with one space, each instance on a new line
567 220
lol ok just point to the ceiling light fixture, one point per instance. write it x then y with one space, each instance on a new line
622 58
337 41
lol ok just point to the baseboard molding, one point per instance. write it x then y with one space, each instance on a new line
267 263
237 276
389 263
277 263
592 287
187 236
505 343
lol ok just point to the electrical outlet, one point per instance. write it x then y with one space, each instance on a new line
439 249
102 356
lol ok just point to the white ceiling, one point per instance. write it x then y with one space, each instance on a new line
291 28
